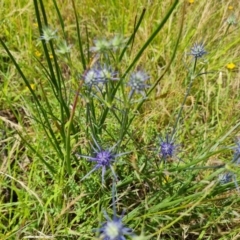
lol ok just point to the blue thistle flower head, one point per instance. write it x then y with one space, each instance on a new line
225 177
198 50
103 158
99 75
101 45
63 47
228 177
48 34
232 20
106 72
117 42
137 82
89 77
167 148
114 229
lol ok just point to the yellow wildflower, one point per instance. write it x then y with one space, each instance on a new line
51 56
38 54
230 7
191 1
230 66
32 85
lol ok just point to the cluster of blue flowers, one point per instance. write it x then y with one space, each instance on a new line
96 77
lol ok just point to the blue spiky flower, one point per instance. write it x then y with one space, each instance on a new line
117 42
167 148
101 45
99 75
63 47
232 20
103 158
114 229
225 177
137 82
48 34
104 45
198 50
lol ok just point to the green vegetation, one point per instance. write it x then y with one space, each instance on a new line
144 94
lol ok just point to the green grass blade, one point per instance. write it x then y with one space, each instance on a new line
79 36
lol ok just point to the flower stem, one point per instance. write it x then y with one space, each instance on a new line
185 98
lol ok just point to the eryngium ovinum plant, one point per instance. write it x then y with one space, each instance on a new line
100 82
113 93
101 85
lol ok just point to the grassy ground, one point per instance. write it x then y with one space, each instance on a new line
43 134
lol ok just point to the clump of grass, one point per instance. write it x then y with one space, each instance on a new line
159 73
